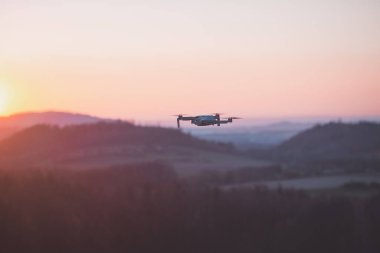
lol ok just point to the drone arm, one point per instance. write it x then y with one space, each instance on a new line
187 118
226 121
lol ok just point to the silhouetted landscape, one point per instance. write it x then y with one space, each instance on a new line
203 126
112 186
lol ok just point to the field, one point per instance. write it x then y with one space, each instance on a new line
315 183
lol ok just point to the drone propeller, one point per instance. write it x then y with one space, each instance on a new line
231 118
179 116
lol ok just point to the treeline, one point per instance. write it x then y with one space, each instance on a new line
146 208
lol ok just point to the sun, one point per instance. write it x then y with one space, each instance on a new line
4 97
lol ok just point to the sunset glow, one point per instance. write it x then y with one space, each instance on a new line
4 98
150 59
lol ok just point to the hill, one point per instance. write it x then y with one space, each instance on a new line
333 141
42 139
14 123
115 143
23 120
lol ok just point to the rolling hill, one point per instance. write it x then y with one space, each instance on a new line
28 119
14 123
333 141
115 143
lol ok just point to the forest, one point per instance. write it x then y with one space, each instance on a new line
148 208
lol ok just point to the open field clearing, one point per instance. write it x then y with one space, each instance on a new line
314 183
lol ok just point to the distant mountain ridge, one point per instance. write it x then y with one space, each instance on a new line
333 141
14 123
28 119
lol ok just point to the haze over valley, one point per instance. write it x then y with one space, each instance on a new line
200 126
301 149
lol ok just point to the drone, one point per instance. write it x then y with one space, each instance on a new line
205 120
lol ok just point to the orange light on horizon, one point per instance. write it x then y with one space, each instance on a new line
4 97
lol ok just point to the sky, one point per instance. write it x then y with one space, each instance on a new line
148 59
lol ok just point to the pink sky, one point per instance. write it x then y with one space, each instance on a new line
150 59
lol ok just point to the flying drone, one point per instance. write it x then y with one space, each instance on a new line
205 120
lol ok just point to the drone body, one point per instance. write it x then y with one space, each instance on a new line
205 120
